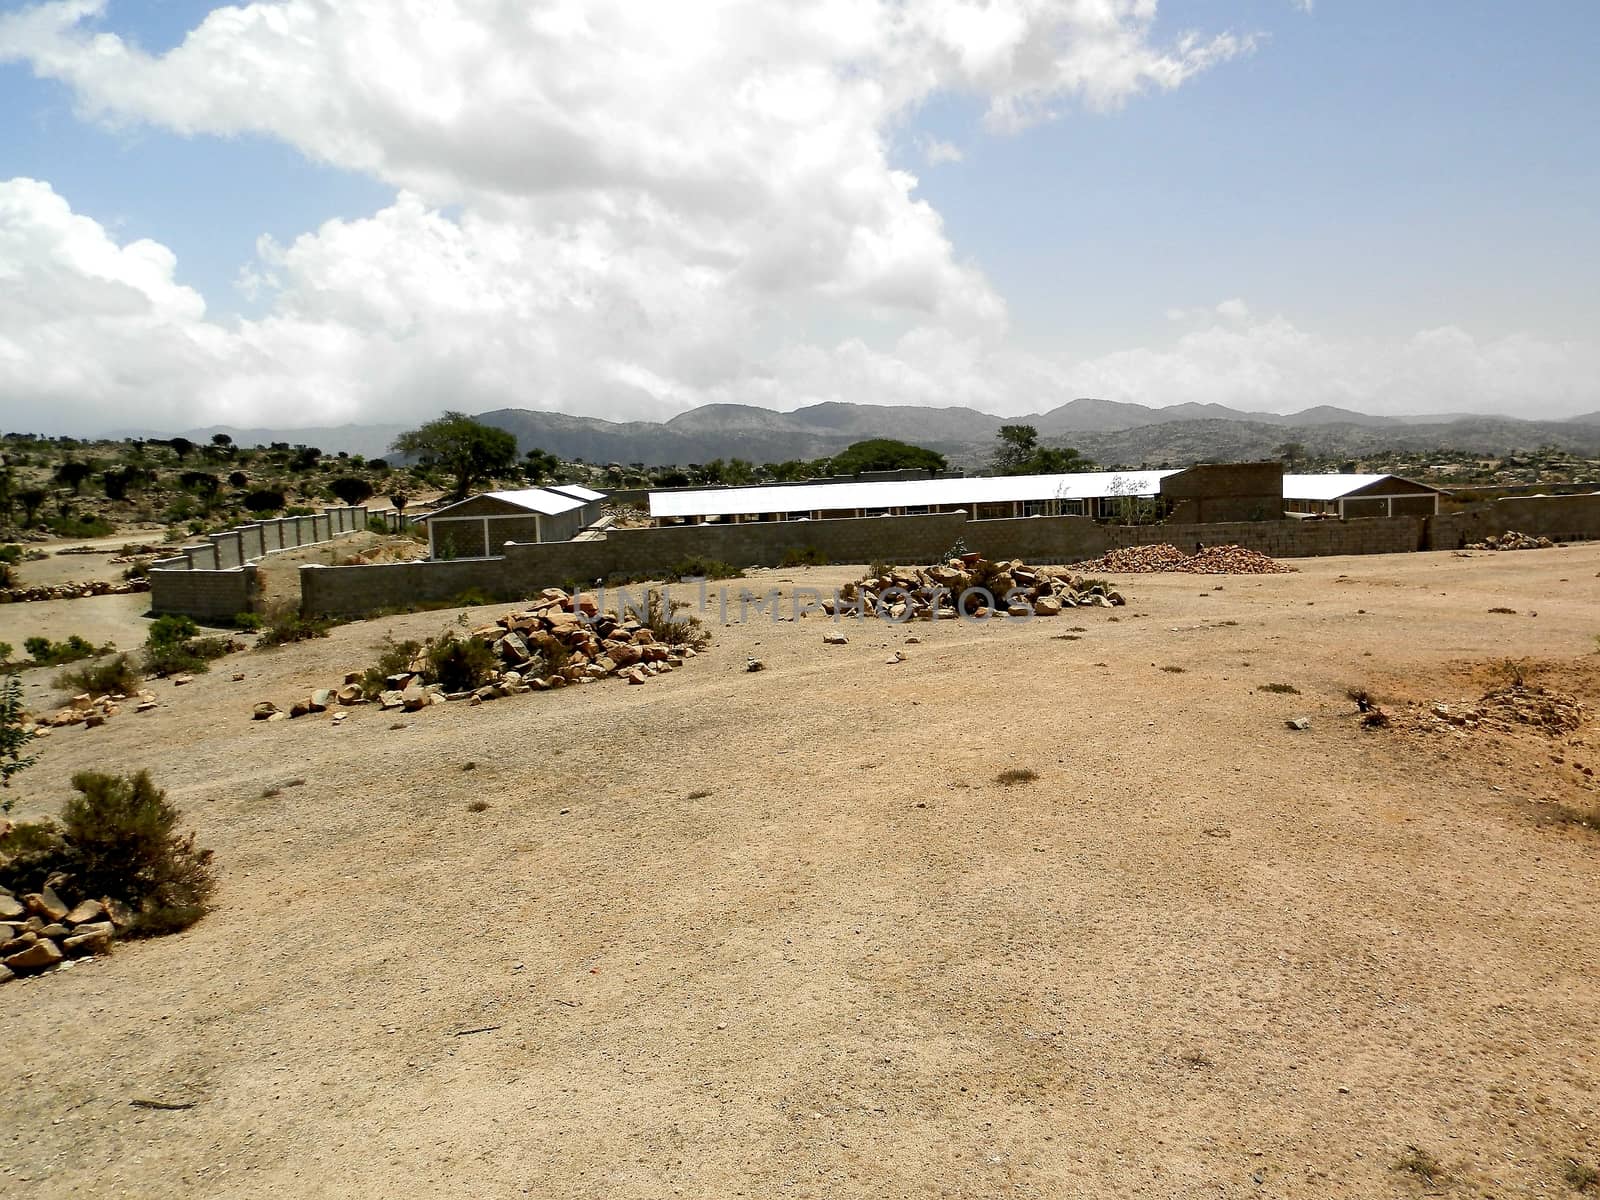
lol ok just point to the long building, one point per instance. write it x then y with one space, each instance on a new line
1085 493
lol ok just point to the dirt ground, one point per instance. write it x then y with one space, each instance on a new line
784 934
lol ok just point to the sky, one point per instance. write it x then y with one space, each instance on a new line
302 213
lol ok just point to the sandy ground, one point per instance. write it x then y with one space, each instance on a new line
783 934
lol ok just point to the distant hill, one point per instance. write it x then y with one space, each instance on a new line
1112 432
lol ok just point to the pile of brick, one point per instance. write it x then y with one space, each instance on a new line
1162 557
978 586
1512 540
73 591
558 641
89 710
40 930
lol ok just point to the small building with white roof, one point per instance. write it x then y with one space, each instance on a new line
1351 495
478 526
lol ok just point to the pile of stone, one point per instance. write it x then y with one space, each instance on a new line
980 587
1162 557
73 591
557 641
91 711
1512 540
40 930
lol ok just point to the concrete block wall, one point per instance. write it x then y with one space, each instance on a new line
176 584
1560 518
207 595
1284 539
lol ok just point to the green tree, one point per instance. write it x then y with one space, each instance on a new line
72 474
32 500
1291 452
470 450
540 464
1017 445
1019 453
350 490
884 454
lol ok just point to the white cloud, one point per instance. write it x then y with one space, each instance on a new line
659 206
936 152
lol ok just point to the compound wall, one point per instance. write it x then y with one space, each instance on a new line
521 570
216 579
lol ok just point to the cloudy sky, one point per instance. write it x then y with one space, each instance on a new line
308 212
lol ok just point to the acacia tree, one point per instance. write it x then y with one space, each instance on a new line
470 450
350 489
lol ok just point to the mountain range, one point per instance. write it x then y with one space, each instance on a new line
1111 432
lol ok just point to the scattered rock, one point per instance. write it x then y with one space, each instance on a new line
1300 723
264 710
43 953
834 638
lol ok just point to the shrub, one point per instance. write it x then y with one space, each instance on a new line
11 553
393 659
285 624
13 737
666 624
122 841
81 527
1012 776
376 524
702 568
249 622
46 653
6 651
460 664
173 646
8 575
1281 689
114 677
809 557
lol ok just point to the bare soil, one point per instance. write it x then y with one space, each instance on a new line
786 934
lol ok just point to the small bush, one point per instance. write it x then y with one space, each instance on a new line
1419 1162
11 554
1281 689
878 570
808 557
122 841
81 527
114 677
173 647
286 625
1175 670
666 624
46 653
1015 775
376 524
13 737
471 598
394 658
702 568
247 622
1581 1177
460 664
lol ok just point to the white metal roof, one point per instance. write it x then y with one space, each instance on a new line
578 490
1332 487
905 493
549 504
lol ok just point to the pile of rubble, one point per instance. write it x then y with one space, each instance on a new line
73 591
91 711
559 640
933 593
1512 540
1161 557
40 930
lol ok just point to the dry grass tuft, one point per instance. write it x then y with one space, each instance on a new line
1012 776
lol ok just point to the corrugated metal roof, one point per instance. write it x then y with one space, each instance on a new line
905 493
1333 487
537 500
578 490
